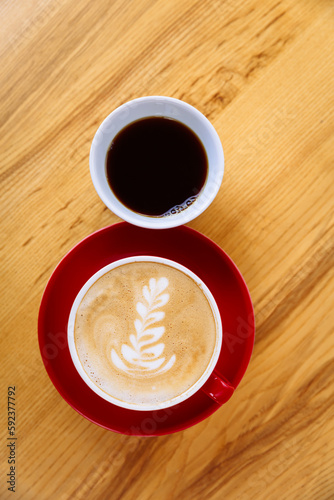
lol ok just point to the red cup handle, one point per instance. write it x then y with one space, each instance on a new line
218 389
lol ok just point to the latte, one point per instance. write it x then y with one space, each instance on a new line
144 333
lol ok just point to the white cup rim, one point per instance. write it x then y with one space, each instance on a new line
132 406
171 108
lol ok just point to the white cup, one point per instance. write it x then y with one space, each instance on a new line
154 106
206 373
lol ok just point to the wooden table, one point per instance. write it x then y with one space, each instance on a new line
262 72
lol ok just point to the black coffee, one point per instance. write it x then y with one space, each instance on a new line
156 165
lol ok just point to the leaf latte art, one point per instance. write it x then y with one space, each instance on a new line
144 333
145 355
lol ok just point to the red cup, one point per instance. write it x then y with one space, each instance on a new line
192 250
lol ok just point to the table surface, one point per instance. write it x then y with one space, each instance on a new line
262 72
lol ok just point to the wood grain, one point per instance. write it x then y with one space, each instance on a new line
263 73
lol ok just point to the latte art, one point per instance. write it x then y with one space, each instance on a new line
142 334
145 354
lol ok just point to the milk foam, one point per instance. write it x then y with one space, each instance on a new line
145 333
144 355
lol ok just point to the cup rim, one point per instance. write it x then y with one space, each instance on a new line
208 192
177 399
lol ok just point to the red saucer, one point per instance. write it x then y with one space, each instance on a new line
183 245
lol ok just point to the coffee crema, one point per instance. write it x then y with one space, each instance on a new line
145 333
156 166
